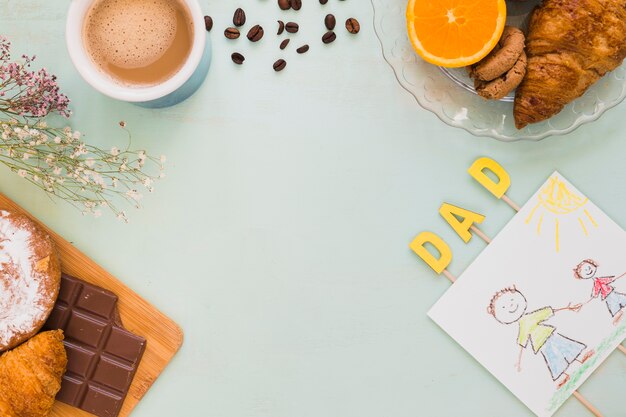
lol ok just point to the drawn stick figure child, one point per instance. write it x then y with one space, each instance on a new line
615 301
509 306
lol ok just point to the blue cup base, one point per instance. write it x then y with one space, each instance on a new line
189 88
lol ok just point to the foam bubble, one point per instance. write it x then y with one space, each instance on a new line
130 33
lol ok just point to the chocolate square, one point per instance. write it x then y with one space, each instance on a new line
85 329
125 345
113 374
97 301
79 360
71 390
68 292
101 402
58 316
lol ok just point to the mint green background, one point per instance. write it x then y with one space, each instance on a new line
279 238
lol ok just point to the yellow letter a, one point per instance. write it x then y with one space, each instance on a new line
496 188
453 214
445 254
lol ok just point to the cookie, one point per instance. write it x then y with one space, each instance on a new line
30 277
502 58
503 85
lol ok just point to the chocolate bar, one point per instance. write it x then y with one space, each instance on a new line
103 357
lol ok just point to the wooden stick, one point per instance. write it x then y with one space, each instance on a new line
480 234
510 203
448 275
622 349
576 394
587 404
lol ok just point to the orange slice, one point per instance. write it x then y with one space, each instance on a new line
455 33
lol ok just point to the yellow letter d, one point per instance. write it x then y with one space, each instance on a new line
477 171
445 254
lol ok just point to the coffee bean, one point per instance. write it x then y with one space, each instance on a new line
239 19
353 26
281 27
329 37
232 33
284 44
255 34
292 27
303 49
330 21
295 4
284 4
323 1
208 23
280 65
237 58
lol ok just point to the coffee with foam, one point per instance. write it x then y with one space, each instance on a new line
139 43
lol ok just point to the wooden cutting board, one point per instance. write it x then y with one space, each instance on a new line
163 335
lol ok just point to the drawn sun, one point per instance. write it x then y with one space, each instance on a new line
556 201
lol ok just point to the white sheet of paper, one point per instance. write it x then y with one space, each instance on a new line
537 252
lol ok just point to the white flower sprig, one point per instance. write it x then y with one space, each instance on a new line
87 177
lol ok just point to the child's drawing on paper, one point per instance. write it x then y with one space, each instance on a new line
615 301
543 337
509 306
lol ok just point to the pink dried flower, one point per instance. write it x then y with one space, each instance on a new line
5 49
28 93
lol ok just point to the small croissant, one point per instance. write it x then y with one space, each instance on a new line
30 376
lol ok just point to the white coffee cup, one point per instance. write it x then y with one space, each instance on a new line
172 91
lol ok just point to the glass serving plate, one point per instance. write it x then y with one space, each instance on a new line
449 93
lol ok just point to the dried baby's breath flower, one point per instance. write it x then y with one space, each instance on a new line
57 160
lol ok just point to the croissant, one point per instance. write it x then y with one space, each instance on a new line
570 45
30 376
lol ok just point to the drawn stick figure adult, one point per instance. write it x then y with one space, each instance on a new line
509 306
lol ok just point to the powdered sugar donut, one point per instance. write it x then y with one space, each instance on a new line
30 276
